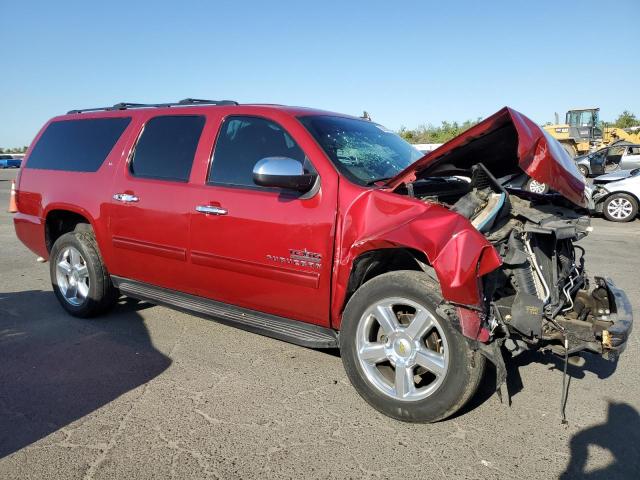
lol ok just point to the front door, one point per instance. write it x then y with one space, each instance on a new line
149 213
262 248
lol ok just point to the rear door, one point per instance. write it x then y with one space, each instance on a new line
614 156
266 249
151 203
631 158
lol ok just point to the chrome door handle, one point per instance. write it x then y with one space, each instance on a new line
125 197
211 210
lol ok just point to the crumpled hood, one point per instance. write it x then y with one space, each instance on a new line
506 143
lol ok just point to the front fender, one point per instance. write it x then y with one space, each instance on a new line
379 219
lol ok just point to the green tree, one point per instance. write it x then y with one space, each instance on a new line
432 134
626 119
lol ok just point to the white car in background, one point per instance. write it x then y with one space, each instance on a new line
426 147
617 194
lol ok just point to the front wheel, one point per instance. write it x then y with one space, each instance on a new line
402 357
620 207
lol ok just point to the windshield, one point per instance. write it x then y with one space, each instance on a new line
363 151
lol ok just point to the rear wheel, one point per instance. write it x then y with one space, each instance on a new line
584 170
402 357
79 278
620 207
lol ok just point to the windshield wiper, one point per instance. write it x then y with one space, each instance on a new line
376 180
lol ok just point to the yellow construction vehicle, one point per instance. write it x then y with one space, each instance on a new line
583 132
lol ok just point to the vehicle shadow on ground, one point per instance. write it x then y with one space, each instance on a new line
593 363
55 369
514 384
620 434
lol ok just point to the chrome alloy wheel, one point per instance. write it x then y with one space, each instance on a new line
537 187
72 276
402 349
620 208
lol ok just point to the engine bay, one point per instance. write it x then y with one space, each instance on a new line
541 297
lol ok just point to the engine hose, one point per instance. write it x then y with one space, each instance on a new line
523 273
524 277
565 261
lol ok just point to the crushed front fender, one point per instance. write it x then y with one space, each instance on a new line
379 219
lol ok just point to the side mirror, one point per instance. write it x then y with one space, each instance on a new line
282 172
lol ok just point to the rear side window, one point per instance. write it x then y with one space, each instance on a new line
77 145
242 142
167 147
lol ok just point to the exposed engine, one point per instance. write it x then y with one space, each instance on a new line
541 297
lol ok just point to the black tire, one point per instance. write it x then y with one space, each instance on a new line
570 149
102 294
465 369
584 170
533 183
627 200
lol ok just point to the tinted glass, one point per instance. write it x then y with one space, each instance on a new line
166 147
362 150
242 142
77 145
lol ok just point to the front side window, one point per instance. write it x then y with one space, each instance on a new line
77 145
363 151
167 147
242 142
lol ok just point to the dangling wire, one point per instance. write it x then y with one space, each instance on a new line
565 384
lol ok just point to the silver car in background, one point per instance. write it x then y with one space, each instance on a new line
621 156
616 195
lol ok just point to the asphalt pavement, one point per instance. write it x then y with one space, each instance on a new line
148 392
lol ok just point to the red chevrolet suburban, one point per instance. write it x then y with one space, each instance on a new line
327 231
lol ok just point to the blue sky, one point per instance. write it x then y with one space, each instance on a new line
407 63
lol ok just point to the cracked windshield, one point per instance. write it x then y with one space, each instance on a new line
362 150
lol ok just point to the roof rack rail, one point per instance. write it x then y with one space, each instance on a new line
182 103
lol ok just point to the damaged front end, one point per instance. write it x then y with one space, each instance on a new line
541 297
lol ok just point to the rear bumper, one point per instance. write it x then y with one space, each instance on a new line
30 231
615 337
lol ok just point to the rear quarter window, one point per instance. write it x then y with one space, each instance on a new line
77 145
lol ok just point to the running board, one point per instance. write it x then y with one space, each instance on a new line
292 331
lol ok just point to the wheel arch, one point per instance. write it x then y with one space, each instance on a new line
63 218
429 235
623 192
375 262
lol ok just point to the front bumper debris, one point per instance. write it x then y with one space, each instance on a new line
607 334
615 337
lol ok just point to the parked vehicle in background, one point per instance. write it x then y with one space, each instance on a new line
583 132
426 147
617 195
526 183
621 156
9 161
327 231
